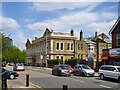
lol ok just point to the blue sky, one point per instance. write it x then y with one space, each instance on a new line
22 20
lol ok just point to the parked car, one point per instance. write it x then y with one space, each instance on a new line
10 74
19 66
109 71
61 70
3 64
11 64
83 70
69 67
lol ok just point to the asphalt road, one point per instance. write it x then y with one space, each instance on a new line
44 79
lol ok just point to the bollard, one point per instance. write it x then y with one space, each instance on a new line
65 87
27 80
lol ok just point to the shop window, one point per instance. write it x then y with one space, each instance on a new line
68 46
57 46
118 39
106 46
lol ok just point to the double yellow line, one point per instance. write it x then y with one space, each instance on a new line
36 86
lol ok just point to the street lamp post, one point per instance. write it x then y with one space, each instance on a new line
76 49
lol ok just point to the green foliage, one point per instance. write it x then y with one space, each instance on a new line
55 61
11 53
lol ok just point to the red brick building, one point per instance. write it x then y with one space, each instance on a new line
112 56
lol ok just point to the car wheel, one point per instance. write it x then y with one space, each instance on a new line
12 76
74 74
83 74
52 73
119 80
101 76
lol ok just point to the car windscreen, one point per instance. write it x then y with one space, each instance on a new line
62 67
19 65
118 69
86 67
68 66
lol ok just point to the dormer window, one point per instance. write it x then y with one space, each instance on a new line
118 39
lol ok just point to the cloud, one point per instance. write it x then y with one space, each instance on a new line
100 27
8 24
65 21
52 6
19 39
28 20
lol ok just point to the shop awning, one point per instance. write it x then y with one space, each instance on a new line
102 58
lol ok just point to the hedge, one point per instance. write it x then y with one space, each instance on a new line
53 62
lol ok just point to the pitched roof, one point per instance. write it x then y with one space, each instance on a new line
118 20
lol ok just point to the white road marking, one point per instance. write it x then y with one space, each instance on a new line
105 86
78 80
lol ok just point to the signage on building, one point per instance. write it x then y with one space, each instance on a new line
47 56
90 56
114 52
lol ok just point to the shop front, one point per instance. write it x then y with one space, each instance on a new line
114 54
105 57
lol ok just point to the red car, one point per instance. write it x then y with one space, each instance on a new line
69 67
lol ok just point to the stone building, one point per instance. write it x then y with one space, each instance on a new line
59 46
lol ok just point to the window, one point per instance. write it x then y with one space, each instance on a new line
61 57
78 46
68 46
101 47
82 56
81 46
78 55
94 57
106 46
118 39
61 46
57 57
57 46
71 46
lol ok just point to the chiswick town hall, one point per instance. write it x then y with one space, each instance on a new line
63 46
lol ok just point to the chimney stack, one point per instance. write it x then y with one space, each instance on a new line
95 34
81 35
36 38
72 32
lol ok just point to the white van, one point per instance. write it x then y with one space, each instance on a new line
109 71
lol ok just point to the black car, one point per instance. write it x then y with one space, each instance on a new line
61 70
10 74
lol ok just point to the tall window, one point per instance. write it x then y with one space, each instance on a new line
101 47
106 46
71 46
81 46
57 46
57 57
68 46
78 46
118 39
61 46
61 57
78 55
81 56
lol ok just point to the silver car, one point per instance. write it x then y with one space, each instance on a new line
18 66
109 71
83 70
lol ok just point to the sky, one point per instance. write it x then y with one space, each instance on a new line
23 20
